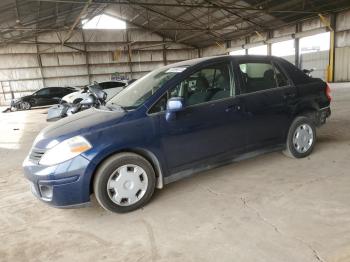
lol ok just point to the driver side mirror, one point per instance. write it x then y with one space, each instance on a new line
174 105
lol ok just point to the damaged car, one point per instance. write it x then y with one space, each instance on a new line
43 97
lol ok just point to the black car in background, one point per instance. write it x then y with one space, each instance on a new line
42 97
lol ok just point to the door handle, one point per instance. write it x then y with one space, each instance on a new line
234 108
289 95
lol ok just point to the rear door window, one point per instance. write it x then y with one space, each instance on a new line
57 90
43 92
257 76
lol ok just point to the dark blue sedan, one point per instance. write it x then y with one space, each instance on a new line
173 122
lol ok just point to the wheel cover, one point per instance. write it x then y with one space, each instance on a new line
303 138
26 105
127 185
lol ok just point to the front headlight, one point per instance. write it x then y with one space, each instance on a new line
15 101
65 150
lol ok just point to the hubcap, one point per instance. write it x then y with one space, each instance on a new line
303 138
127 185
25 105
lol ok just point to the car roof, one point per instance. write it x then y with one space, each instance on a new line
65 87
195 61
113 81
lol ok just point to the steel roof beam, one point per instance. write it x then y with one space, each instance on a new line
77 20
204 6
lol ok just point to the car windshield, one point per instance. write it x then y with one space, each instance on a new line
139 91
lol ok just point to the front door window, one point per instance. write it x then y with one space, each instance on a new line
207 84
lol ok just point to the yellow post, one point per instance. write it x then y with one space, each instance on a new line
330 67
331 58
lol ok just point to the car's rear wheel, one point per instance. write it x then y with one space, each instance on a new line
124 182
301 137
26 105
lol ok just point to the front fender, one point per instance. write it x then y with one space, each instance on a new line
137 136
154 157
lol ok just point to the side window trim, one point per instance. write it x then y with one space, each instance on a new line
279 67
228 66
233 80
43 90
243 84
232 83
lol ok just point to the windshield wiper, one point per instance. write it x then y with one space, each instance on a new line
117 106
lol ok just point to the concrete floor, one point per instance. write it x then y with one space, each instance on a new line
270 208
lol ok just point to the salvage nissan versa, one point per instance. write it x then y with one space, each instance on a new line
173 122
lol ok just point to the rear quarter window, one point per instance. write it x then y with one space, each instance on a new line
296 75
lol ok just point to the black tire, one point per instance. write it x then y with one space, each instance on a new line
291 150
106 170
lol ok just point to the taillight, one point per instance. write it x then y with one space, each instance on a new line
328 92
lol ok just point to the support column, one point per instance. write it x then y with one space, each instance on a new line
269 45
164 53
87 61
296 46
246 42
38 57
228 45
332 27
129 53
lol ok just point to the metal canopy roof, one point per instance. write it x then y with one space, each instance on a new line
197 23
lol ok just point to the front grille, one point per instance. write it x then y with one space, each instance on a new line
36 154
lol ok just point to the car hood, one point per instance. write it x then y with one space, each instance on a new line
22 98
84 122
73 95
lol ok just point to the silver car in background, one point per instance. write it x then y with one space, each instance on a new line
110 87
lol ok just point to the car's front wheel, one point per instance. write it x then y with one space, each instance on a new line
301 137
124 182
26 105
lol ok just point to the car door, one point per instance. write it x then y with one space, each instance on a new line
56 93
209 129
263 91
41 97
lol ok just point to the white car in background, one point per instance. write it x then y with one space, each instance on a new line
110 87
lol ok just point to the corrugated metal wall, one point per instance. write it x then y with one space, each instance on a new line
290 58
342 51
316 60
92 55
342 61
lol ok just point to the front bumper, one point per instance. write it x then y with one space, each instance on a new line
15 103
62 185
